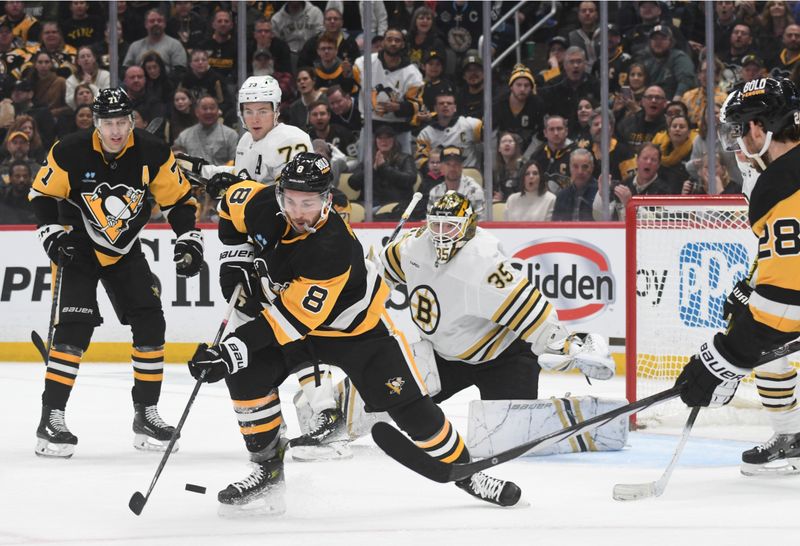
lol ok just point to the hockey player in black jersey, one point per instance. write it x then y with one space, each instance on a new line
92 199
326 301
761 122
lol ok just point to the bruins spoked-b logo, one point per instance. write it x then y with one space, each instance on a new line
424 307
112 207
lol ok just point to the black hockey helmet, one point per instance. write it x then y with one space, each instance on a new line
775 102
112 102
308 172
311 173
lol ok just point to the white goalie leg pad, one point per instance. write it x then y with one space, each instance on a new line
359 421
426 365
589 354
320 397
497 425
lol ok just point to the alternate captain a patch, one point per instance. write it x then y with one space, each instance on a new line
112 207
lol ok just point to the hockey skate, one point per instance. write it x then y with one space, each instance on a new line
489 489
780 456
263 492
327 439
53 437
151 433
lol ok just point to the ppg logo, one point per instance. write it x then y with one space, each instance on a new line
708 271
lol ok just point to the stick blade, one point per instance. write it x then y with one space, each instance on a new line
395 444
136 504
38 342
634 491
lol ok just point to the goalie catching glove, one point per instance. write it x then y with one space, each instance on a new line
217 361
587 352
189 253
709 379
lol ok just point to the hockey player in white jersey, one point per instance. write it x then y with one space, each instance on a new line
260 155
486 322
267 145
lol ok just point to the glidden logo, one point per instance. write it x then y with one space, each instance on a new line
574 275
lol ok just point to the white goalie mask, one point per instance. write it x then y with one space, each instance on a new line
451 223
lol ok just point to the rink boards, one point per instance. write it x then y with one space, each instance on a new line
580 267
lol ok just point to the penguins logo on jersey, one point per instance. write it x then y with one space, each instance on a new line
111 208
382 93
395 385
424 307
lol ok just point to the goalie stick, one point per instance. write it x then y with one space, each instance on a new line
137 502
636 491
406 452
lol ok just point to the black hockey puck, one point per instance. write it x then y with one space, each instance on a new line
196 488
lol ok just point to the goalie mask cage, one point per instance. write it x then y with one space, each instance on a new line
684 254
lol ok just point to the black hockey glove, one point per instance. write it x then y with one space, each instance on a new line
236 267
189 253
217 361
737 300
219 184
61 247
708 379
191 164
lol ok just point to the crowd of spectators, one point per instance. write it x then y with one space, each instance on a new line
177 61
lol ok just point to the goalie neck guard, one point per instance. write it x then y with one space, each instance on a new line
452 223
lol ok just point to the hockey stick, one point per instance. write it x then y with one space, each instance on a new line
416 198
636 491
406 452
35 337
137 502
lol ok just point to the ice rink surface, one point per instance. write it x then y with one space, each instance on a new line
369 499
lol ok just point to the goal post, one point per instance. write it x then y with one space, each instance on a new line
684 254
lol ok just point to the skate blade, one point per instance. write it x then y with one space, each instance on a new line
56 451
784 467
326 452
143 442
272 504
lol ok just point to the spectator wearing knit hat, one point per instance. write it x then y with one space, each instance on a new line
521 111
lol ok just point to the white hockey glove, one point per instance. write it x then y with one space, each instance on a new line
587 352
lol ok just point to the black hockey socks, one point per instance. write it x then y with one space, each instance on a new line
148 373
62 370
259 421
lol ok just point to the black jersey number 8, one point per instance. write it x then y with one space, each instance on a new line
314 299
239 195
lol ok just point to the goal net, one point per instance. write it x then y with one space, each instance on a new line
684 255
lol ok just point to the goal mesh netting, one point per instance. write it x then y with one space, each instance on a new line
684 256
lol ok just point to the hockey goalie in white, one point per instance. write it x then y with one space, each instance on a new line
481 321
